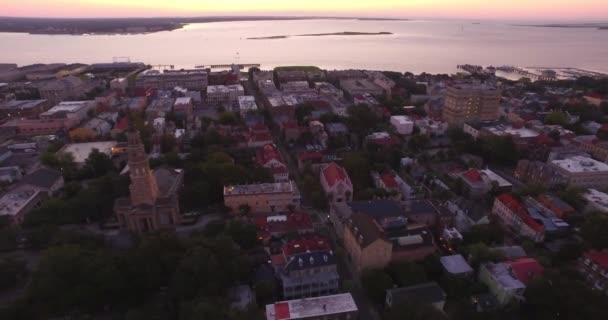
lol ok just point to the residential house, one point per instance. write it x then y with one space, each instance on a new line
393 183
269 157
307 268
515 216
593 265
456 265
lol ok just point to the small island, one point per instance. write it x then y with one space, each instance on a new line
598 26
345 33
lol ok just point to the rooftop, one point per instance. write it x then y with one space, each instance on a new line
579 164
183 100
526 268
455 264
598 198
15 200
598 257
20 104
401 119
334 174
502 182
42 178
276 187
429 293
224 89
247 103
311 307
68 106
503 273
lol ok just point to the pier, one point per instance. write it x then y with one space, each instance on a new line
227 66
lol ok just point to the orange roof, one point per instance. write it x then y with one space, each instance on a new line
513 204
333 174
389 180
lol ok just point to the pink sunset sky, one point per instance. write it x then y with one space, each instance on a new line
473 9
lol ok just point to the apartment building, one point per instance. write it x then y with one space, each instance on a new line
224 96
582 172
514 215
307 267
470 102
195 80
61 89
263 198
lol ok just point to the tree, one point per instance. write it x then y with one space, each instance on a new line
418 142
574 197
86 280
302 112
97 164
411 311
479 253
228 118
489 234
593 230
375 283
244 234
12 270
556 118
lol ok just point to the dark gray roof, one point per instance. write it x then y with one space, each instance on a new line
168 180
429 292
378 208
422 207
42 178
310 260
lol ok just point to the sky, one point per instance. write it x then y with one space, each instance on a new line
467 9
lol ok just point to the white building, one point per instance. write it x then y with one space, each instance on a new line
339 306
403 124
596 201
501 282
582 172
218 96
74 111
246 104
16 203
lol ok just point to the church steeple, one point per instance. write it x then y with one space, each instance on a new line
143 186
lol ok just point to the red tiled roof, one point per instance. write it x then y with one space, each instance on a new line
281 311
289 124
389 180
277 260
302 245
543 140
267 153
310 155
278 170
526 268
472 175
598 257
513 204
333 174
122 124
293 223
264 136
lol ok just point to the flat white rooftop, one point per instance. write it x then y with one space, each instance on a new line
580 164
599 199
183 100
311 307
81 151
401 119
16 199
502 182
277 187
68 106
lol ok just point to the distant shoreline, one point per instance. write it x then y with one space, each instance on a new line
345 33
598 26
129 26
